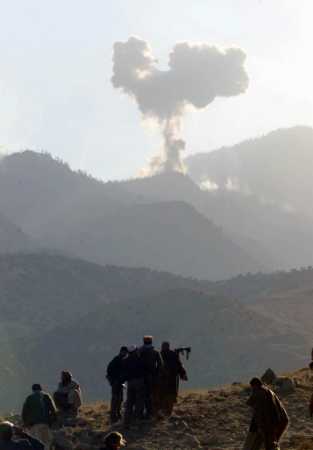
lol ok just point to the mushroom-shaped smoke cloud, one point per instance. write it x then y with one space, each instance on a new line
197 74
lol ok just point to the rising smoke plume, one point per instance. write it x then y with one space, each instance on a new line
197 74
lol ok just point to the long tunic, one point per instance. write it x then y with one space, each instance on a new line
270 416
173 369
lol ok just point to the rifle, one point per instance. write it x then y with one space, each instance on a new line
185 351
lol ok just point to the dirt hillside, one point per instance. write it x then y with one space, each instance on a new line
215 419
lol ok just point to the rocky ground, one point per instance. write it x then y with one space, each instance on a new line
215 419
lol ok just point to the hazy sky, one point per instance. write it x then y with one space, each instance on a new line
56 65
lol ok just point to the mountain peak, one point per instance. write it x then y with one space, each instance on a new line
164 186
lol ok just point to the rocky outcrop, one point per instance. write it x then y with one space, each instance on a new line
286 385
269 377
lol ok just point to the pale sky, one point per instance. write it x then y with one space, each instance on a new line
56 65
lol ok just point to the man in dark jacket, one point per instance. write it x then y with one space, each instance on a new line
173 370
25 441
269 420
39 413
134 376
115 378
152 364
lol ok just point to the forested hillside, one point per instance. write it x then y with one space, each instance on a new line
61 313
108 224
276 168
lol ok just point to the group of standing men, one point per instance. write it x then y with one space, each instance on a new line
152 379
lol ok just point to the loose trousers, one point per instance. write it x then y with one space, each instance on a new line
116 402
135 400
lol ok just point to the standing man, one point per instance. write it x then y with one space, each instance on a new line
311 399
269 420
38 414
169 384
134 376
152 364
115 378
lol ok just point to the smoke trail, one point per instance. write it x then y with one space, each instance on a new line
197 74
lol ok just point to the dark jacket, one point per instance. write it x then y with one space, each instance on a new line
172 363
172 370
38 408
151 360
133 367
115 370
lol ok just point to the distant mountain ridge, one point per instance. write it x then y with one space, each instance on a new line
107 223
276 168
259 228
165 222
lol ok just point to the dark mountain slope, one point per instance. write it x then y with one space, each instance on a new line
169 236
13 239
228 340
59 312
249 288
41 291
261 229
35 188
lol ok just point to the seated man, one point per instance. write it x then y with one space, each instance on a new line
25 441
68 396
